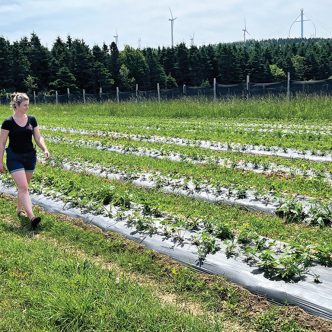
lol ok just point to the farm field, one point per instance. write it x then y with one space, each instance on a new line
247 182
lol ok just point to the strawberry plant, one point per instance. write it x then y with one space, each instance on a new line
291 211
319 214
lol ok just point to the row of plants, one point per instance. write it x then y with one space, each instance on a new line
310 134
152 126
306 144
197 125
216 176
216 123
77 191
316 155
266 162
290 208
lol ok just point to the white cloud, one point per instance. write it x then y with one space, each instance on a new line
211 21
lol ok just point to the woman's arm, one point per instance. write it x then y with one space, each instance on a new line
3 139
40 141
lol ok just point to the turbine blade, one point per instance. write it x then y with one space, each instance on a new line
170 12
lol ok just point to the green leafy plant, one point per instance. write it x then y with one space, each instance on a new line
291 211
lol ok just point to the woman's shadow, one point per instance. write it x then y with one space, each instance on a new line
21 226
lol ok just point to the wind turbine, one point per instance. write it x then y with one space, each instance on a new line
172 19
192 39
116 38
302 20
245 31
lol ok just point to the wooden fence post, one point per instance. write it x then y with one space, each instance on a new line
117 94
214 89
247 86
288 85
184 89
158 92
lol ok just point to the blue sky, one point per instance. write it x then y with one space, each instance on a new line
145 22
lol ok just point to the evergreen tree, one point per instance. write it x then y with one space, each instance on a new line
26 65
83 68
171 82
210 66
102 77
114 64
6 78
196 73
64 79
39 58
167 59
156 73
257 66
60 57
182 64
98 54
20 68
229 64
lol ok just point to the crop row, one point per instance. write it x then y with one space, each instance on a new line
227 128
199 166
273 258
104 122
292 209
263 162
314 155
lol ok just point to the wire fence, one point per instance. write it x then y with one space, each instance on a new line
217 91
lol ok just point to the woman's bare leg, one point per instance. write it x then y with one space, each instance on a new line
19 204
23 196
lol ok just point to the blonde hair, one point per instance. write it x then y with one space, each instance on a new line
17 98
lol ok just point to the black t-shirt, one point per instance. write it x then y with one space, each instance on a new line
20 138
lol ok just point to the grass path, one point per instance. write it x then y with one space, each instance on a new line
70 276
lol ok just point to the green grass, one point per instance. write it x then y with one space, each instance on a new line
45 287
50 281
301 107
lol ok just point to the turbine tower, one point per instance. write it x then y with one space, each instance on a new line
192 39
172 19
245 31
116 38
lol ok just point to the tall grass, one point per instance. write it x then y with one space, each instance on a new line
301 107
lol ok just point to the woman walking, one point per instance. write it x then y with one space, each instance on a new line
20 154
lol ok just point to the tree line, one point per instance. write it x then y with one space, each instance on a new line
27 65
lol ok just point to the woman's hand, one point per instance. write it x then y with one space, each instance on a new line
46 154
2 168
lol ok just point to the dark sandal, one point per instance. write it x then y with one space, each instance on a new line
35 222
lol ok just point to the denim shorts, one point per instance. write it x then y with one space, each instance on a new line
20 161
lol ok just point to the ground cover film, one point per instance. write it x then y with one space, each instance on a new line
180 216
